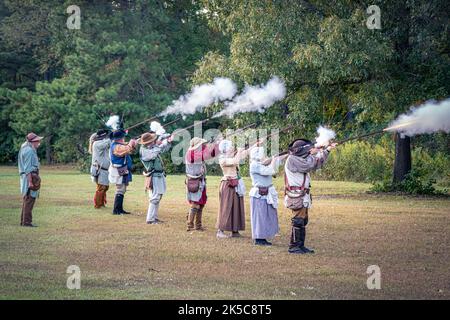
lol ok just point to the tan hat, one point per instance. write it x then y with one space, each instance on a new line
195 143
33 137
147 138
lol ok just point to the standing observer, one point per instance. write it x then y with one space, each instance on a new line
30 181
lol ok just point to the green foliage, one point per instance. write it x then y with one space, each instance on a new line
129 58
358 161
414 183
133 58
370 162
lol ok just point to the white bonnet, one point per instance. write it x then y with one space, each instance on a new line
257 154
225 146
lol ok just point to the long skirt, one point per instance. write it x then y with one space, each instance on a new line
231 209
264 219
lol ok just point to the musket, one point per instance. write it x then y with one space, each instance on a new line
237 131
165 125
361 136
190 126
142 122
343 141
271 135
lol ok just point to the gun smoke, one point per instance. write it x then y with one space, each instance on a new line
157 128
255 98
325 135
201 96
429 117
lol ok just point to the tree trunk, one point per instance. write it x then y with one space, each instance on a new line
48 149
402 163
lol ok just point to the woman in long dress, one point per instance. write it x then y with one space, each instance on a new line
263 196
231 216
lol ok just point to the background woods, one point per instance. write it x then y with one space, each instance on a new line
133 58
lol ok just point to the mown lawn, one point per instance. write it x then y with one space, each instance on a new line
121 257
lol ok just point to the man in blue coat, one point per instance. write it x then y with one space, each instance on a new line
120 168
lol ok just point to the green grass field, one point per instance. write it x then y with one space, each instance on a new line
121 257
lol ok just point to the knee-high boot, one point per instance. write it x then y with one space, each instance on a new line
190 218
198 220
117 203
298 235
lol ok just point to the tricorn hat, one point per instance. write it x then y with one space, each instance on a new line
147 138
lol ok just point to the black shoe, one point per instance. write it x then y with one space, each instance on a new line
306 250
153 222
296 250
262 242
29 225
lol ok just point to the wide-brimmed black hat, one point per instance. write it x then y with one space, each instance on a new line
300 147
102 134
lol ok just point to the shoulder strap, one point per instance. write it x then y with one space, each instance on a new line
304 181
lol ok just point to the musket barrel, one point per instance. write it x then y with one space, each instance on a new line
361 136
192 125
142 122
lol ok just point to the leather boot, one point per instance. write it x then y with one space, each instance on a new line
190 219
298 235
198 220
296 238
121 205
302 237
117 199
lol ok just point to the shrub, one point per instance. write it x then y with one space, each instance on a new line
358 161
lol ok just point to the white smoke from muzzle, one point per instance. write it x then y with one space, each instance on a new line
157 128
255 98
201 96
113 122
325 135
429 117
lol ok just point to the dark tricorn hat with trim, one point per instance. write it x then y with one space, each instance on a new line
300 147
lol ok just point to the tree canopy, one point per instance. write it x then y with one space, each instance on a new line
134 57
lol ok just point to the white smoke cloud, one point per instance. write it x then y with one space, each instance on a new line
157 128
324 136
113 122
429 117
201 96
255 98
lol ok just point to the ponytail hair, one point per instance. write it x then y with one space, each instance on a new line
91 142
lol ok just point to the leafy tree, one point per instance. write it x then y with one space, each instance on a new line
337 70
129 57
332 63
